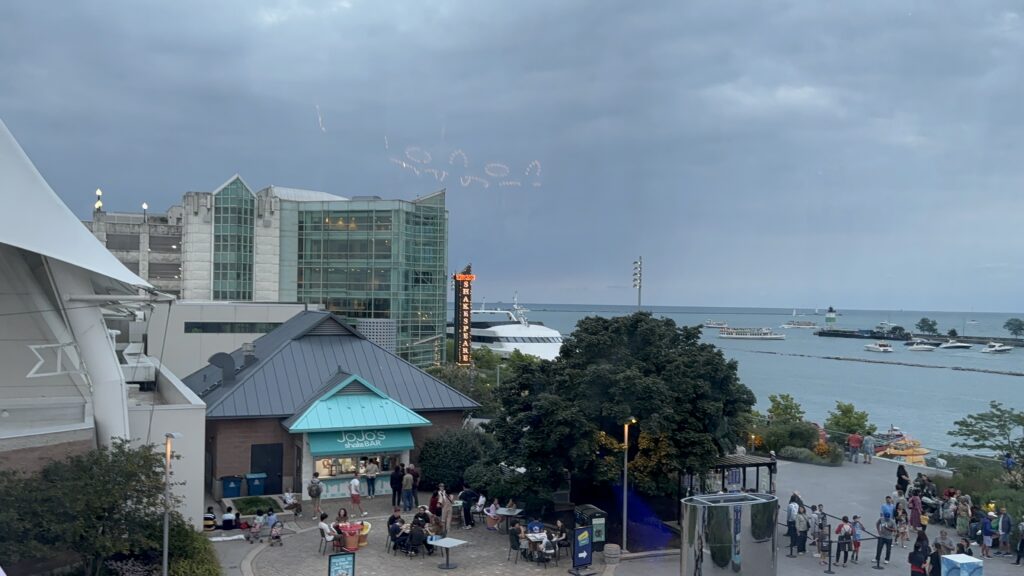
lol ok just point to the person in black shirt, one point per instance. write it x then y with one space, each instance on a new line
396 516
469 498
917 560
935 560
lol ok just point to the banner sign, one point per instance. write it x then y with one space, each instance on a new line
343 564
464 316
582 547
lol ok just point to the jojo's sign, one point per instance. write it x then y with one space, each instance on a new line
362 439
464 316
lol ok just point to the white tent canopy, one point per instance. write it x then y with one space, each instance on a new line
35 219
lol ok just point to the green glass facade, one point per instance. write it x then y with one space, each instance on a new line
233 207
374 259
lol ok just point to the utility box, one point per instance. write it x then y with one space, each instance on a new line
590 515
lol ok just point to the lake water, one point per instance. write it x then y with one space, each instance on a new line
923 401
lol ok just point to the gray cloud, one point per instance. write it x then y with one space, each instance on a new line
774 153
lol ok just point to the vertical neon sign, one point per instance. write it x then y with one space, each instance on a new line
463 316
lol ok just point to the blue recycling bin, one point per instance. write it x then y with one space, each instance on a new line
255 483
232 486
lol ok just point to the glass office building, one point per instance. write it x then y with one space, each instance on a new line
233 207
372 258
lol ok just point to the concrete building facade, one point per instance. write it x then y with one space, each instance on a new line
363 258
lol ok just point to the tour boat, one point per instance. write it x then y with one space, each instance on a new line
800 324
715 324
878 347
995 348
750 334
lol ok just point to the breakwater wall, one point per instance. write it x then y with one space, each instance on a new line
892 363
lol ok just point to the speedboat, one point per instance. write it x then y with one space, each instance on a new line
878 347
996 347
921 347
715 324
954 345
926 342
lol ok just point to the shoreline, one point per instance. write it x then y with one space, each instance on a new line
891 363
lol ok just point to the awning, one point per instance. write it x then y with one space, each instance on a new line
371 441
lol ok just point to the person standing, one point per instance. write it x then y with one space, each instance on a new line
963 517
986 535
858 529
315 489
372 470
869 448
845 533
396 484
447 505
1005 527
407 491
856 441
792 509
469 498
888 508
902 479
1020 542
353 492
886 528
415 483
803 524
914 505
917 560
935 561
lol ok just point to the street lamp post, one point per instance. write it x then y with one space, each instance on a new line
625 478
638 280
168 446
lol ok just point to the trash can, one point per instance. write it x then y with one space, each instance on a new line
590 515
255 483
364 532
231 486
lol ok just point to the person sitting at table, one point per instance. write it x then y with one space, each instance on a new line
396 515
341 518
396 531
328 531
511 505
491 512
418 535
535 527
422 515
561 535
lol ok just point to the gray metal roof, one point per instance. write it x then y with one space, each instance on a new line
298 361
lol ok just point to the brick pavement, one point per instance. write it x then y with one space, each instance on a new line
484 553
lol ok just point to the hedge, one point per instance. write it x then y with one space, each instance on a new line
808 457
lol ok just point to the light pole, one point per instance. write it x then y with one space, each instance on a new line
168 446
638 280
625 478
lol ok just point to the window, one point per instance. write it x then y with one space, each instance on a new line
230 327
123 242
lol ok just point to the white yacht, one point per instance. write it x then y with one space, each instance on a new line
995 348
954 345
921 347
504 331
878 347
750 334
715 324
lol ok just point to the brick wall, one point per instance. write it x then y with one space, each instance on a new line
229 443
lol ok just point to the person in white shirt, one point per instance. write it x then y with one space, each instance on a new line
353 489
292 503
325 528
227 520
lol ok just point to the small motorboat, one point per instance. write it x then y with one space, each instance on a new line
996 348
954 345
933 343
921 347
878 347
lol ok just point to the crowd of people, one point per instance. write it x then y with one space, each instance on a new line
906 514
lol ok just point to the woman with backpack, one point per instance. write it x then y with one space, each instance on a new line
315 489
843 544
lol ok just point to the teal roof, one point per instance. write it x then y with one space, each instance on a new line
353 404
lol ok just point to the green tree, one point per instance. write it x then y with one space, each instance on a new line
783 409
567 416
952 333
927 326
478 381
999 430
1014 326
847 419
445 458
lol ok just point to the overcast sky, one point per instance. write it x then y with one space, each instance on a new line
769 153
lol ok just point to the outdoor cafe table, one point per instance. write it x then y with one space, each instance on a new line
536 539
447 544
508 513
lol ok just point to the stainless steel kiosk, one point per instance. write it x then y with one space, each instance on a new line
730 534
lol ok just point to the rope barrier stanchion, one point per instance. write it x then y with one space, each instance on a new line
828 547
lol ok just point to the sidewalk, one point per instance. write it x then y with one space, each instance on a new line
850 489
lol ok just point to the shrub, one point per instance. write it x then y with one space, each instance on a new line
809 457
250 504
445 458
798 434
